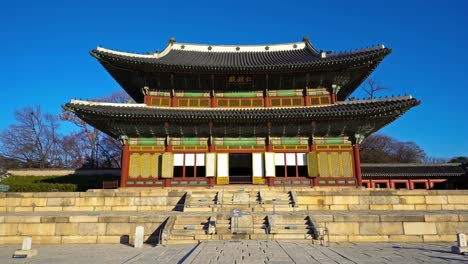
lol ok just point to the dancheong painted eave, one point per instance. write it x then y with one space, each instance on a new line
356 115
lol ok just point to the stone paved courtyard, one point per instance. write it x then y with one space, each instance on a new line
243 252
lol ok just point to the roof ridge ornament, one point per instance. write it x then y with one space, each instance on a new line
172 40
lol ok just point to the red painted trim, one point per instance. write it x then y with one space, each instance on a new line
357 165
313 148
307 100
125 165
270 181
393 182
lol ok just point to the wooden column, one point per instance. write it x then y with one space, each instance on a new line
125 165
357 164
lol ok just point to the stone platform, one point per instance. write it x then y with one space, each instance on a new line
175 216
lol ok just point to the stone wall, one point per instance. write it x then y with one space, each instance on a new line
383 200
77 228
107 200
63 172
160 199
395 227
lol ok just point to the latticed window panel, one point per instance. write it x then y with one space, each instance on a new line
134 166
160 101
320 100
335 164
194 102
240 102
347 164
286 102
323 165
145 163
330 164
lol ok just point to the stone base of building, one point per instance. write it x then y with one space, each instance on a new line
301 214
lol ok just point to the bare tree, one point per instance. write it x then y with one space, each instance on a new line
371 87
33 139
101 150
380 148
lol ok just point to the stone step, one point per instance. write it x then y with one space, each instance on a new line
291 231
291 236
198 209
187 232
194 222
182 241
177 226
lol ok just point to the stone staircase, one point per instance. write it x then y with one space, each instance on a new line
291 227
228 200
278 201
187 229
201 201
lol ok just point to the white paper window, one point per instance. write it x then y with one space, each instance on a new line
178 159
257 167
210 164
301 159
223 165
200 159
189 159
279 159
290 159
270 164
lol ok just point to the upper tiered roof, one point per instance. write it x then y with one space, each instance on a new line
346 69
221 58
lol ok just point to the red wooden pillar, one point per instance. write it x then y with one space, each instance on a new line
125 165
147 100
357 164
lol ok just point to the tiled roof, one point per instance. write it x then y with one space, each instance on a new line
412 170
392 107
184 56
348 118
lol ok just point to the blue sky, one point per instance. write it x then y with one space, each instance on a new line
45 49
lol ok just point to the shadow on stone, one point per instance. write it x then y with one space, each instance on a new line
154 238
180 204
125 240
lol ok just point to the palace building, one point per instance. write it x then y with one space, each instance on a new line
241 114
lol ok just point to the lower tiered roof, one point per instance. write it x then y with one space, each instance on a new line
412 170
358 116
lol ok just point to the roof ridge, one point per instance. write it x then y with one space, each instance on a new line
386 99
